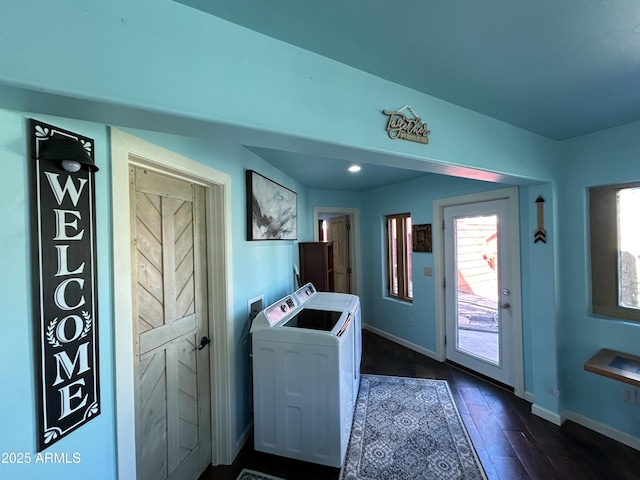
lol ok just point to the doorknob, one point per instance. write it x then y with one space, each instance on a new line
204 341
505 305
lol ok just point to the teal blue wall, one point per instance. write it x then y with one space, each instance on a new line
416 197
539 262
259 267
167 67
208 87
391 316
264 267
331 199
608 157
95 442
334 199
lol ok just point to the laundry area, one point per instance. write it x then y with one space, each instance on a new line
201 148
306 353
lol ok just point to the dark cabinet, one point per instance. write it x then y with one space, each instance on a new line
316 265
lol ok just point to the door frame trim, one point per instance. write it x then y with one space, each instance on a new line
510 194
354 240
125 150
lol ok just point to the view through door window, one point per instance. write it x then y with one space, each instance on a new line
477 299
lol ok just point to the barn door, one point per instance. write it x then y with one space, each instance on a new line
339 234
173 410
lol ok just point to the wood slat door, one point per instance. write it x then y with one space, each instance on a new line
173 410
339 234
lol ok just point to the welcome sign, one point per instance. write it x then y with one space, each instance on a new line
65 290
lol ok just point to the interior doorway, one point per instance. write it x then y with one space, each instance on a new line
128 151
341 225
337 229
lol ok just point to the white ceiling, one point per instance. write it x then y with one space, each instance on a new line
559 68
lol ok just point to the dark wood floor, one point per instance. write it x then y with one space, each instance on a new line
511 442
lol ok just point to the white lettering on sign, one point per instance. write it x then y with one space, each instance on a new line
60 298
63 263
62 224
62 360
66 396
69 187
61 330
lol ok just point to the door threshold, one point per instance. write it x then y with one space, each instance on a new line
480 376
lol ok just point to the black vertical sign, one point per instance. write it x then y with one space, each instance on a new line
65 290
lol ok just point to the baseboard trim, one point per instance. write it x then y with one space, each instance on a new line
400 341
246 435
548 415
556 419
606 430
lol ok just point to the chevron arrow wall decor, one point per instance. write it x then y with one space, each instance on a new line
540 235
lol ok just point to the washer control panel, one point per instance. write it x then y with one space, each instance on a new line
305 293
281 309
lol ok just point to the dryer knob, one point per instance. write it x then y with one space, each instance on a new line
283 307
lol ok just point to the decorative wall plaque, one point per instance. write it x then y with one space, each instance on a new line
540 235
421 238
65 289
401 126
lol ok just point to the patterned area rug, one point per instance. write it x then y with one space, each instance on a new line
408 428
251 475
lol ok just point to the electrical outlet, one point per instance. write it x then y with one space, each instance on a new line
629 394
554 392
412 322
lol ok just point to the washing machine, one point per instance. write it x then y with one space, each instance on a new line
306 373
307 295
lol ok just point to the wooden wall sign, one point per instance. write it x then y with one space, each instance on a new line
406 128
421 238
65 290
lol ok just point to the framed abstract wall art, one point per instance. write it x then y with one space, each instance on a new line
271 209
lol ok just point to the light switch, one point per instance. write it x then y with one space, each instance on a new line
428 271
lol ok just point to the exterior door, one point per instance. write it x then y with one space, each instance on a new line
339 233
479 326
173 410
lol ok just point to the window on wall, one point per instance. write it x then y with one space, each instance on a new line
615 250
399 269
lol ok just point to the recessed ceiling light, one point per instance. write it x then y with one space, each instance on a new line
354 168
